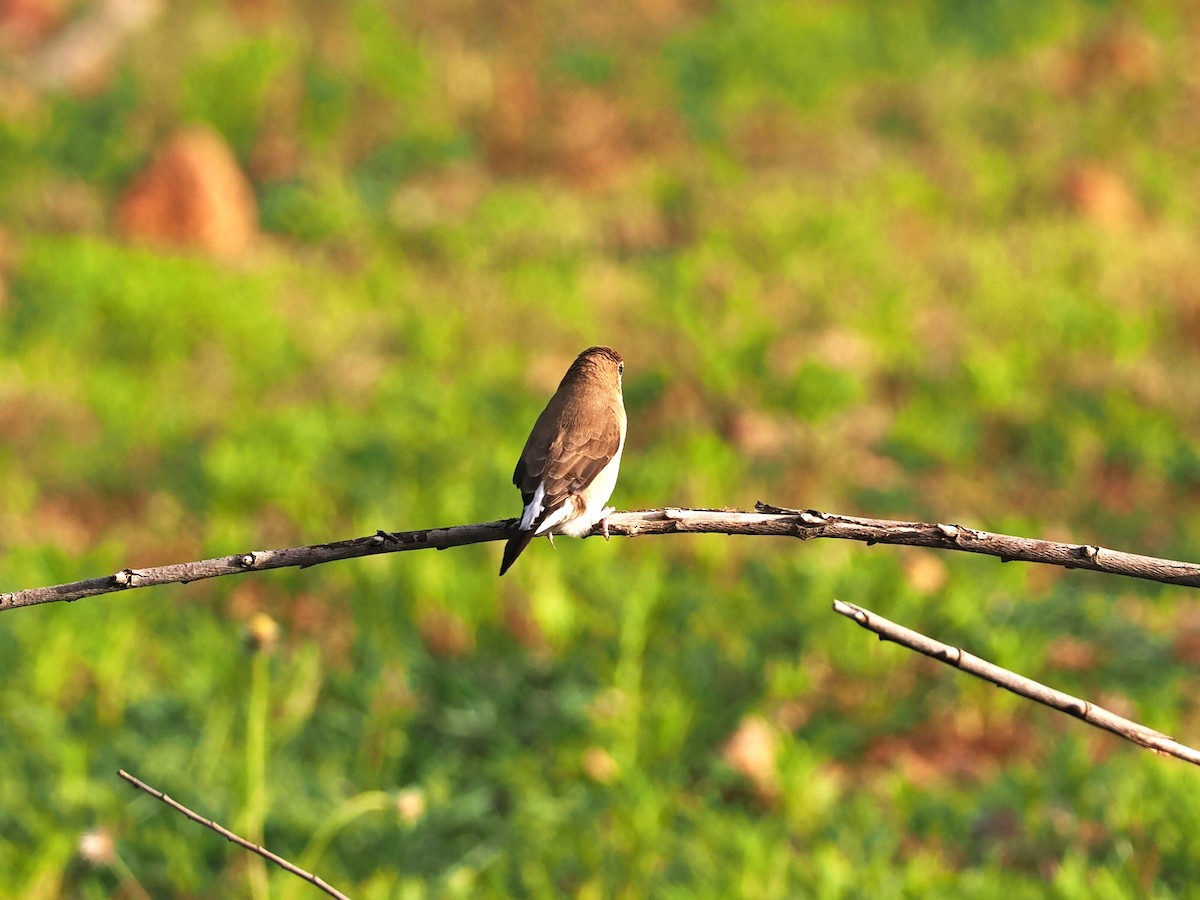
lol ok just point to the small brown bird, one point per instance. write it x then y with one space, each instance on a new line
568 468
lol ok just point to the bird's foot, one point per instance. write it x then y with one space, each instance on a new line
604 514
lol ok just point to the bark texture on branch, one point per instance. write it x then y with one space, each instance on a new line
1009 548
767 520
1018 684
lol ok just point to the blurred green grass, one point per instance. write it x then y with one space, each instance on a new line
854 259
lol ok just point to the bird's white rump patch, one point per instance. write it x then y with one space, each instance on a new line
534 508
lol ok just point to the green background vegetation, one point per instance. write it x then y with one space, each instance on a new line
926 260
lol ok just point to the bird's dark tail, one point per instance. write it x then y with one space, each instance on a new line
513 548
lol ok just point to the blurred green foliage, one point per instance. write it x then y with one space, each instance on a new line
929 259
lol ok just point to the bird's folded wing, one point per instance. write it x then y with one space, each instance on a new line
567 466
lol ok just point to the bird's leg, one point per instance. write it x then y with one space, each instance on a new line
604 514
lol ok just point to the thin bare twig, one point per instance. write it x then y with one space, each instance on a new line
1018 684
766 521
266 854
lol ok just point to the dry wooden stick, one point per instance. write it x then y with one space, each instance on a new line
1007 547
266 854
766 521
1018 684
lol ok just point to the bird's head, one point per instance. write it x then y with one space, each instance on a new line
598 363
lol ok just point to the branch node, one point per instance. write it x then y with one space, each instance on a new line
951 656
247 560
1089 552
126 578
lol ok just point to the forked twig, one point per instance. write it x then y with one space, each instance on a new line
266 854
1018 684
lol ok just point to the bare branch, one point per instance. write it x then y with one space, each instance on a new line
766 521
1005 546
1018 684
230 836
261 560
